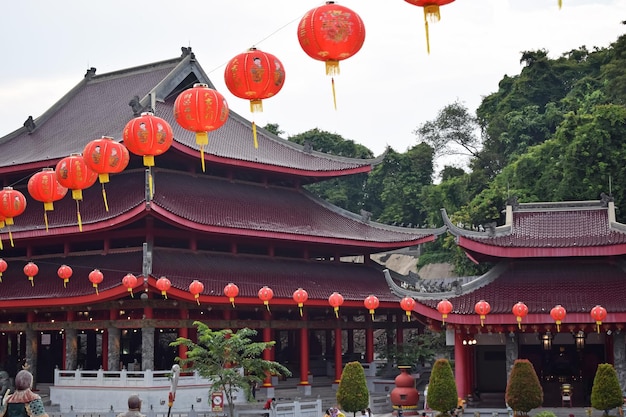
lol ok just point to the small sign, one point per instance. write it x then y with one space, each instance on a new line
46 339
217 402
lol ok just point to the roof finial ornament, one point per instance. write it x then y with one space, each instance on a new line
90 73
512 201
186 50
29 124
135 104
606 199
308 146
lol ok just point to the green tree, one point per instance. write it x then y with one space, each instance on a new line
418 348
442 393
606 392
231 360
523 390
352 393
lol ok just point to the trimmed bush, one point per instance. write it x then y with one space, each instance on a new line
352 393
606 392
442 393
545 414
523 390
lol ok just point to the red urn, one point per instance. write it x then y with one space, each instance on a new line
405 395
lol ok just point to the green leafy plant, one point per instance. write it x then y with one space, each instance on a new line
352 393
606 392
523 390
442 392
545 414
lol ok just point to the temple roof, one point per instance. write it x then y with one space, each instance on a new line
578 228
100 105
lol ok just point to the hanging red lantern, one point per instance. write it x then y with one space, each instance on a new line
331 33
163 284
201 109
558 314
482 308
335 300
254 75
407 304
129 281
44 187
300 296
598 313
231 291
148 135
64 272
74 174
444 307
3 267
96 277
106 156
371 303
266 294
431 12
196 288
30 270
520 310
12 204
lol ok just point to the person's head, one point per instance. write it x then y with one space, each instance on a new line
134 402
23 380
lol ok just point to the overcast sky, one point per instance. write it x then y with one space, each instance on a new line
383 92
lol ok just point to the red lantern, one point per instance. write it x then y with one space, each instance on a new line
64 272
371 303
231 291
44 187
3 267
558 314
266 294
598 313
520 310
129 281
148 136
106 156
335 300
73 173
201 109
300 296
96 277
163 284
407 304
444 307
482 308
12 204
196 288
254 76
431 11
30 270
331 33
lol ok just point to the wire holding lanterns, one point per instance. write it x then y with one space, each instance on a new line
444 307
300 296
64 272
558 313
598 314
231 291
520 310
371 302
44 187
335 300
196 288
265 295
482 308
407 304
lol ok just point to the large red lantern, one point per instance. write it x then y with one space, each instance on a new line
300 296
3 267
148 135
371 302
64 272
44 187
96 277
598 313
73 173
163 284
431 12
558 314
30 270
335 300
129 281
254 75
482 308
231 291
265 295
12 204
196 288
331 33
444 307
407 304
201 109
520 310
106 156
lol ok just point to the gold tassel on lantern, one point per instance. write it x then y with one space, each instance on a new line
332 68
430 12
202 139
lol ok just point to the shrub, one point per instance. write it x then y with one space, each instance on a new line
442 393
545 414
606 392
523 390
352 393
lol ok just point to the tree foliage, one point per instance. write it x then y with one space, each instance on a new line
606 392
523 390
418 349
352 393
442 392
231 360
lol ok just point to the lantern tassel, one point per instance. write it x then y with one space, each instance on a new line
96 287
372 313
482 320
80 220
202 139
150 183
232 301
332 83
132 295
164 294
558 325
45 219
598 323
256 142
337 312
408 314
104 197
300 307
198 300
202 158
1 245
267 305
519 322
427 37
32 281
10 236
560 4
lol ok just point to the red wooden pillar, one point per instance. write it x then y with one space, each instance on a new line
267 353
460 365
338 358
183 332
369 340
400 329
304 353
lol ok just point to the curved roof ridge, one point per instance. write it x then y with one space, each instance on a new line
459 231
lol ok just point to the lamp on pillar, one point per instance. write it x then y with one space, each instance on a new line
546 341
579 338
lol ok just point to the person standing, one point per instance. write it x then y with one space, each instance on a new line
23 402
134 407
